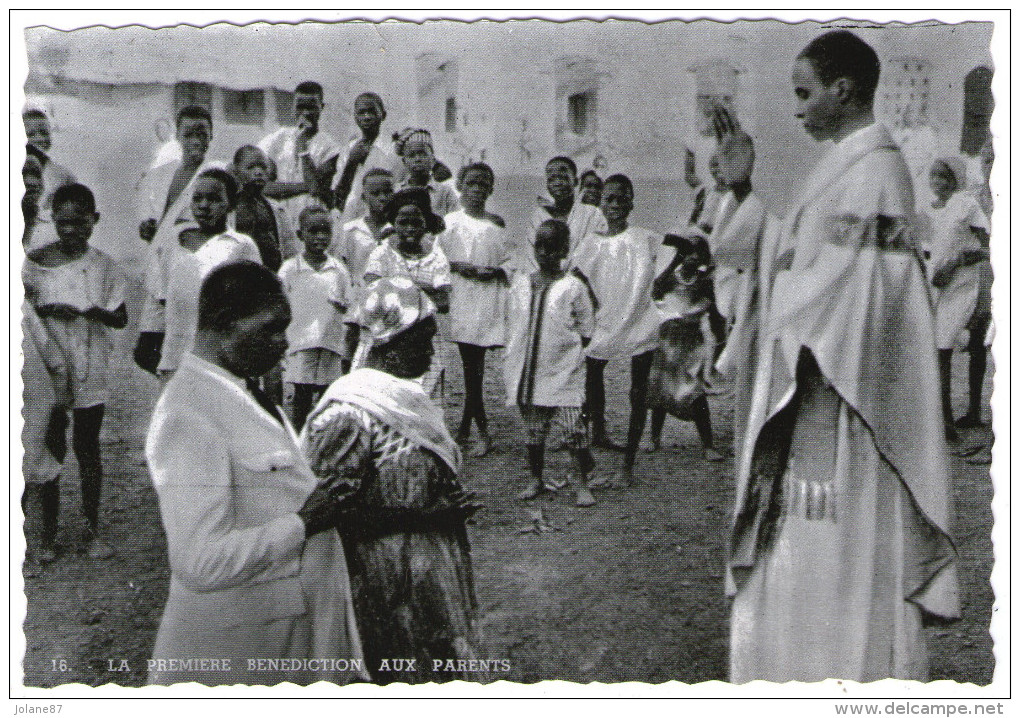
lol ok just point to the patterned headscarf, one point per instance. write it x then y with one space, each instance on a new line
408 134
391 305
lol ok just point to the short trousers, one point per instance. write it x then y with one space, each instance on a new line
538 419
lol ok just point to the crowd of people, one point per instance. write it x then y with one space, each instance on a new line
339 276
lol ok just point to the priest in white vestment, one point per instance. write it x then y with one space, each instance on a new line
840 547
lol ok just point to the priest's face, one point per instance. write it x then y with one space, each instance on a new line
818 105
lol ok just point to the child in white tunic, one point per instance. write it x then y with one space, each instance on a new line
319 289
958 227
202 246
77 293
362 235
479 253
411 253
620 267
550 319
415 148
561 186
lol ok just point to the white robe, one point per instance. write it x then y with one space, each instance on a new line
952 236
841 524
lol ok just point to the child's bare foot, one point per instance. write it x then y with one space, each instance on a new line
653 447
553 484
47 553
533 490
99 550
624 478
712 455
481 448
584 497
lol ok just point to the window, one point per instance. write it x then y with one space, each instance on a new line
581 111
192 93
977 109
451 114
244 107
284 107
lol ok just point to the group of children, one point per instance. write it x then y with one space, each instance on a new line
586 289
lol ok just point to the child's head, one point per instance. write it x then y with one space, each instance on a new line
194 132
377 190
715 169
944 179
834 79
475 182
591 188
410 213
415 147
37 128
617 198
214 196
369 113
695 254
31 175
315 229
561 178
552 244
308 105
74 215
251 168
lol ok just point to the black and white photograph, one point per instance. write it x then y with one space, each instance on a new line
367 350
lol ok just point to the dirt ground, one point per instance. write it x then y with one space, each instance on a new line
628 590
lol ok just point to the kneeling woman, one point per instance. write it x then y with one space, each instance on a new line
376 433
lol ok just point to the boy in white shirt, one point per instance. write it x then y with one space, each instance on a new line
318 287
620 267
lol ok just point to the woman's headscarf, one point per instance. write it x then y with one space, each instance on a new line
389 306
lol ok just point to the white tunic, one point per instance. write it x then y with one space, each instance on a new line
544 355
281 145
380 156
621 270
477 309
92 280
316 296
354 245
952 236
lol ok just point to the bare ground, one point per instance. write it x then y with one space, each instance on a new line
628 590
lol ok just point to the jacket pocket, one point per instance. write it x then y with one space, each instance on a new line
261 462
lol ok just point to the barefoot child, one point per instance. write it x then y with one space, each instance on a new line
479 253
78 294
360 236
683 298
410 252
319 289
620 267
960 235
202 246
550 318
262 219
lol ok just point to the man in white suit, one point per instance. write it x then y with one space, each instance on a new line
257 571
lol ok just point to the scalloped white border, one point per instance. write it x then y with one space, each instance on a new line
117 701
